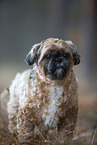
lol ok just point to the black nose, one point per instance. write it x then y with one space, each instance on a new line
59 60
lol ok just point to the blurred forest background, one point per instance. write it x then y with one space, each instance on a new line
26 22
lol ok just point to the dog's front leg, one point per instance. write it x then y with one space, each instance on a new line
25 123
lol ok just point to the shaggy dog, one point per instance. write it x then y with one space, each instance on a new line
44 100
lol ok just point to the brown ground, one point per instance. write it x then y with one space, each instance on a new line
86 129
85 133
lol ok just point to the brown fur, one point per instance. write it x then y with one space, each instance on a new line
27 115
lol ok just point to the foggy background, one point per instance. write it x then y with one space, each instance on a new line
26 22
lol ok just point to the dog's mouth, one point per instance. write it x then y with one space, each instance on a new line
57 71
59 74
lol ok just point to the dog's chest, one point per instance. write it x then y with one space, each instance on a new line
55 96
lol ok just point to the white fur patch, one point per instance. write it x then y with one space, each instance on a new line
51 113
19 91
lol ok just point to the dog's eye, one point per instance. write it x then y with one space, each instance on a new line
48 56
66 55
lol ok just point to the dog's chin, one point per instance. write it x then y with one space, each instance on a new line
59 74
56 69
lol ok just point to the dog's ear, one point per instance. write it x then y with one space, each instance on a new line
76 56
32 56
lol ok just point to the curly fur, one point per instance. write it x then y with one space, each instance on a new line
44 104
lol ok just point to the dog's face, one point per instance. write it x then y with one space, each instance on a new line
56 62
54 57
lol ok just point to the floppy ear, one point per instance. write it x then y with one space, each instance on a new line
76 56
33 54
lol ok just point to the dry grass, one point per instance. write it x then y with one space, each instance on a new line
85 132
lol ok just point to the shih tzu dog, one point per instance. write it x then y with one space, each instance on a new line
44 99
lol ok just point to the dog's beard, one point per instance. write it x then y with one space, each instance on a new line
56 69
